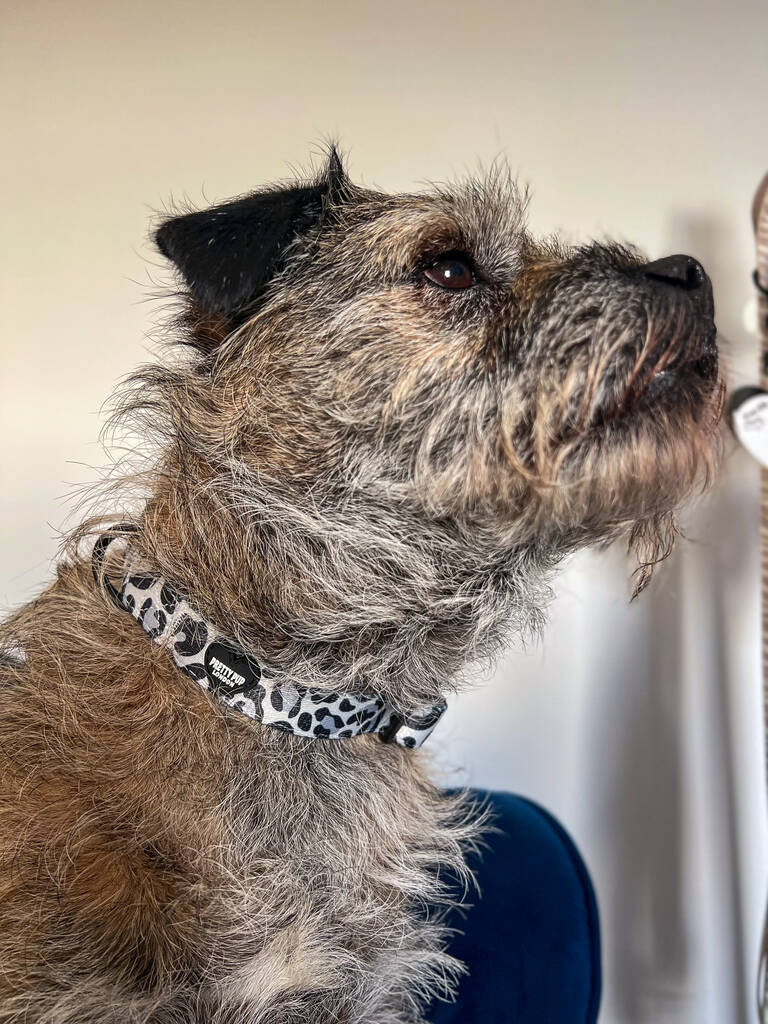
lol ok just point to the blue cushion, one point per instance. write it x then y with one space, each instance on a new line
531 940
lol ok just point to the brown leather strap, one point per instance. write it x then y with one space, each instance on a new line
758 204
760 224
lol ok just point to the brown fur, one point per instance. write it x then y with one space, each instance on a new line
367 481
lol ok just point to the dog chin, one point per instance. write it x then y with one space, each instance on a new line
694 373
687 385
653 456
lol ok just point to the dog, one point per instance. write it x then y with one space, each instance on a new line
392 418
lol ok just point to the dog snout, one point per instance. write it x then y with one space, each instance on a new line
678 271
682 273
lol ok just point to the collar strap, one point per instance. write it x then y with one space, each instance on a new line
238 680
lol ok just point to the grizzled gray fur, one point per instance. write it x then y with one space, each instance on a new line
396 415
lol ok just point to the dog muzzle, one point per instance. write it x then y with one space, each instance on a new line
241 682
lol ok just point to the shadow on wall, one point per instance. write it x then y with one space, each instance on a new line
641 795
674 666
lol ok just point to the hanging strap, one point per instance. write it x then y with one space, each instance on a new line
760 223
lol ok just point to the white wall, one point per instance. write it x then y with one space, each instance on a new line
639 726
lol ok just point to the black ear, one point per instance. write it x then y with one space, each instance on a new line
227 254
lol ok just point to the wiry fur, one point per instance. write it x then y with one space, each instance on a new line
367 481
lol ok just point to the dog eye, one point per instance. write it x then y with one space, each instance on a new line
451 270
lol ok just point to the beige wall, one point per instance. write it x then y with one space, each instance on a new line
638 726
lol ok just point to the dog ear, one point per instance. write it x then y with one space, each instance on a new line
227 254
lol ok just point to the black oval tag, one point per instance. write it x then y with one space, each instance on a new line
229 669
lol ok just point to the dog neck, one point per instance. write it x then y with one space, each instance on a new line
354 598
239 680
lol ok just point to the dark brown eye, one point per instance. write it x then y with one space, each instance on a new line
451 270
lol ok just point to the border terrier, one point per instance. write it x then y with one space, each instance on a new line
393 418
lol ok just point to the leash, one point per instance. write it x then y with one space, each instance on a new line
749 419
239 680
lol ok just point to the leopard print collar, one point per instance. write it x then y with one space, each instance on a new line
225 670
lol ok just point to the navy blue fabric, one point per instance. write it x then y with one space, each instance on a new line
531 940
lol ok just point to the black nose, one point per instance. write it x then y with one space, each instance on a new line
682 272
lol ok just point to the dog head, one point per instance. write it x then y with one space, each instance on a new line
423 352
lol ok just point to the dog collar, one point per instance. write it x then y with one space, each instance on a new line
238 680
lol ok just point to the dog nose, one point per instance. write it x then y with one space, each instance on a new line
679 271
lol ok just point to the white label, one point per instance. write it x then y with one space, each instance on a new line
750 425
